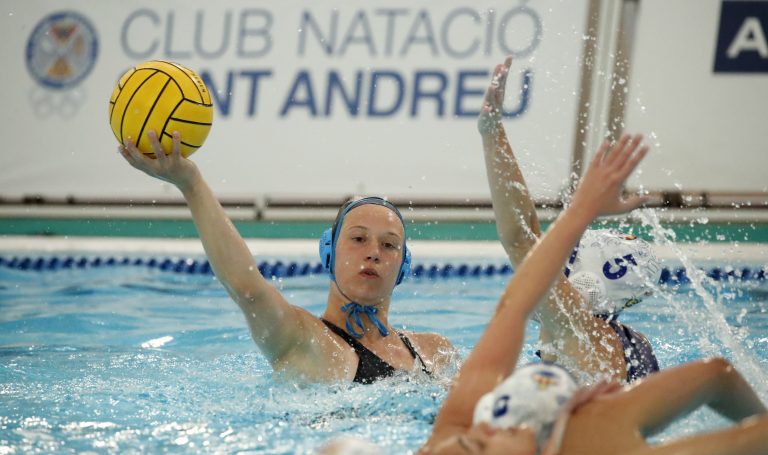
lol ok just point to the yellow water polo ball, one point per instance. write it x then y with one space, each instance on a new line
165 97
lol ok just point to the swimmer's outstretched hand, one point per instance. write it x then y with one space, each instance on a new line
490 114
599 192
172 168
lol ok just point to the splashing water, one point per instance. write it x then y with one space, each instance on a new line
714 318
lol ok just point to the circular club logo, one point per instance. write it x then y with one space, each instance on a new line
62 50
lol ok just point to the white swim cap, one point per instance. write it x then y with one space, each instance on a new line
532 396
484 408
613 270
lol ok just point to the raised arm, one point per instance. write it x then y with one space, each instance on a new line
495 355
564 315
516 220
274 324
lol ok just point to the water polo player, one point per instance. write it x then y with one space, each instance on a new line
538 408
610 270
366 255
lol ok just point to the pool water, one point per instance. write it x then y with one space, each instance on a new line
136 360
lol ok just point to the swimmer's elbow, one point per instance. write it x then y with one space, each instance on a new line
516 245
719 367
719 363
247 293
720 375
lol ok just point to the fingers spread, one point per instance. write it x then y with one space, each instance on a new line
597 160
176 153
637 139
155 143
134 156
130 148
629 150
632 163
123 150
633 202
617 150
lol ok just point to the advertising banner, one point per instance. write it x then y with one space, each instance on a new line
319 98
699 89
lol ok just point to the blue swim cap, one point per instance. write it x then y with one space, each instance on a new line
331 236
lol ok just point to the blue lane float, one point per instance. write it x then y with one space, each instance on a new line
281 269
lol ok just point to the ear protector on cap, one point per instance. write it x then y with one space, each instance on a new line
331 236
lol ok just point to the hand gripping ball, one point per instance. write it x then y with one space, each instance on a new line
165 97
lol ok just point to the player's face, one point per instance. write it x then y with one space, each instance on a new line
369 251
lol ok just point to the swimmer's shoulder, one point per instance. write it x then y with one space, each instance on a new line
435 349
429 342
317 335
317 353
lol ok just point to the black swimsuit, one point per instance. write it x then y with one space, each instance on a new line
370 367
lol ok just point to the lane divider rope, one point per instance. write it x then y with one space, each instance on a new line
289 269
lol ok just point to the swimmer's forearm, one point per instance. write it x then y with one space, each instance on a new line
516 220
748 438
275 325
545 261
663 397
227 252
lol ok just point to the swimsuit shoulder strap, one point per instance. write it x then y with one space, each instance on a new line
413 352
356 345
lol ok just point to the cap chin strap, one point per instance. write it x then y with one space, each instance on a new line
353 311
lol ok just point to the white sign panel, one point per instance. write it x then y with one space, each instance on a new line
699 84
326 98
